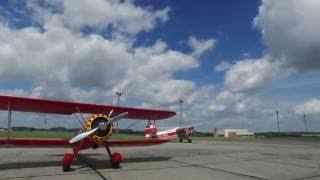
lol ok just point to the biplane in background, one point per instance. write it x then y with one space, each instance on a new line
183 132
96 130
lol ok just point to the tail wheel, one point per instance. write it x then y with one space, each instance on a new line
116 159
67 160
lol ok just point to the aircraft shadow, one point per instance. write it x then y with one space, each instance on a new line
83 160
105 163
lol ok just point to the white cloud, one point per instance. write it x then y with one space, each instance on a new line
309 107
246 55
290 30
222 66
201 46
122 16
60 62
251 74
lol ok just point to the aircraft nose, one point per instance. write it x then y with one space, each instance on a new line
102 126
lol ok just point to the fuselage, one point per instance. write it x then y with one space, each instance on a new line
168 134
173 133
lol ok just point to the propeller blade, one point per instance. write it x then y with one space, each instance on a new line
82 135
118 117
110 113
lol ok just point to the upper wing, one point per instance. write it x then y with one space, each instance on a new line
191 126
65 142
68 108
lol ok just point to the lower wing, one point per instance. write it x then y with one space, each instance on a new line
27 142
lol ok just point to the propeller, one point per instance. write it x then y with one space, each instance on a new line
101 126
82 135
110 113
118 117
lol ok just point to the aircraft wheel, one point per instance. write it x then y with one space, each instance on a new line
116 159
67 160
66 167
180 140
115 165
189 140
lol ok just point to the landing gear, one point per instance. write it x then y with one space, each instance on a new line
180 140
189 140
115 161
115 158
68 158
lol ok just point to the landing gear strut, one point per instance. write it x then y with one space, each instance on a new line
115 158
68 158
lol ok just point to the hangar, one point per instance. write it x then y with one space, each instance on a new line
232 132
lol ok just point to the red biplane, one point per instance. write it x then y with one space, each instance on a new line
182 132
96 130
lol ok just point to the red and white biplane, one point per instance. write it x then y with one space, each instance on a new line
182 132
96 130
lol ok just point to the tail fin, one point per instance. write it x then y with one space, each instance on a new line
150 130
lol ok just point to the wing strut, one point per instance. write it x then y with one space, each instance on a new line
78 119
9 120
80 114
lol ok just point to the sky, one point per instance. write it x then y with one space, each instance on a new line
233 63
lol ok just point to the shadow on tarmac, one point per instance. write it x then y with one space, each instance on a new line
82 159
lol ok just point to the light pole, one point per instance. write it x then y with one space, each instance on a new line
45 122
305 123
118 93
277 112
180 101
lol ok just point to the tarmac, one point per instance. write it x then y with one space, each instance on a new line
276 158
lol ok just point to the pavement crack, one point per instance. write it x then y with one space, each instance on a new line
94 169
230 172
308 177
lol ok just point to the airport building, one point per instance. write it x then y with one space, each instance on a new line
232 132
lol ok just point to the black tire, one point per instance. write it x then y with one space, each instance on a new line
115 165
189 140
66 167
180 140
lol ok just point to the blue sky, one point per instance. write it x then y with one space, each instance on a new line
230 22
233 62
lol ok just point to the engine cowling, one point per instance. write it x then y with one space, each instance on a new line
102 134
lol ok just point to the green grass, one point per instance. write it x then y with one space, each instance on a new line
127 137
38 134
62 135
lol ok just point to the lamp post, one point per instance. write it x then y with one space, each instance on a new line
277 112
118 93
45 122
180 101
305 123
